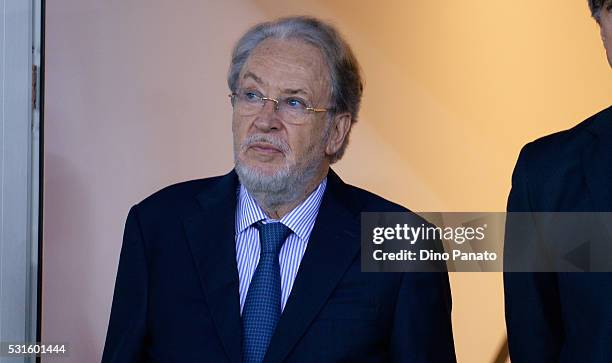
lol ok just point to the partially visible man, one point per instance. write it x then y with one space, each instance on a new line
564 317
262 264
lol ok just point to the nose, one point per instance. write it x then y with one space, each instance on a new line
272 102
267 119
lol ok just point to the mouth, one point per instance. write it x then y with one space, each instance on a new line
264 148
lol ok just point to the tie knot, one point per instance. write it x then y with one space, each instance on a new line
272 236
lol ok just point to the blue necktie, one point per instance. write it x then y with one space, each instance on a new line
262 307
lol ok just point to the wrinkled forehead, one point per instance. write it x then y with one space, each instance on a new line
287 62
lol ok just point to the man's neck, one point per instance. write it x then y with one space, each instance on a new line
278 211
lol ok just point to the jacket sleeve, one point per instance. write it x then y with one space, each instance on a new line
126 329
422 329
533 319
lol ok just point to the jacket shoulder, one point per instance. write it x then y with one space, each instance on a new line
175 199
567 143
550 168
370 202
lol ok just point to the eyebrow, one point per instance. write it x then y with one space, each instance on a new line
252 75
290 91
295 91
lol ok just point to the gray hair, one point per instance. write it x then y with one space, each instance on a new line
345 77
596 6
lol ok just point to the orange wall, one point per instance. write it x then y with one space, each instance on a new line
136 99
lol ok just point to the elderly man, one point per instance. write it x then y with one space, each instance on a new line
564 317
262 264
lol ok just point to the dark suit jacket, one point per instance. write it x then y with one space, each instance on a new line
562 317
176 295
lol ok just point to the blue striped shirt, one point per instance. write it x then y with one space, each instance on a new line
300 220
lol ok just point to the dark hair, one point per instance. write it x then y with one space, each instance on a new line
596 6
345 77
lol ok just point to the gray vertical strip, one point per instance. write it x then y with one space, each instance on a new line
15 172
2 154
35 179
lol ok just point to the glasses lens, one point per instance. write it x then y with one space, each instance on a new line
292 110
247 103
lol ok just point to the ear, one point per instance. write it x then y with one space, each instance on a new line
340 127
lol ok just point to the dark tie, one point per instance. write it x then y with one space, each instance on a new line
262 307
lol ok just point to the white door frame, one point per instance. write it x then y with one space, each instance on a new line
20 59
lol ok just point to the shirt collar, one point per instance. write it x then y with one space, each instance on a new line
300 220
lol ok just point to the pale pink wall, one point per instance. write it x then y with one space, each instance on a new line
136 99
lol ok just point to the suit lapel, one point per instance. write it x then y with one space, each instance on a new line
211 236
597 162
333 245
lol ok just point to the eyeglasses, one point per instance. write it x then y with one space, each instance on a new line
290 109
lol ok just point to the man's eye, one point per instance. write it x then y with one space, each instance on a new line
295 103
251 96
